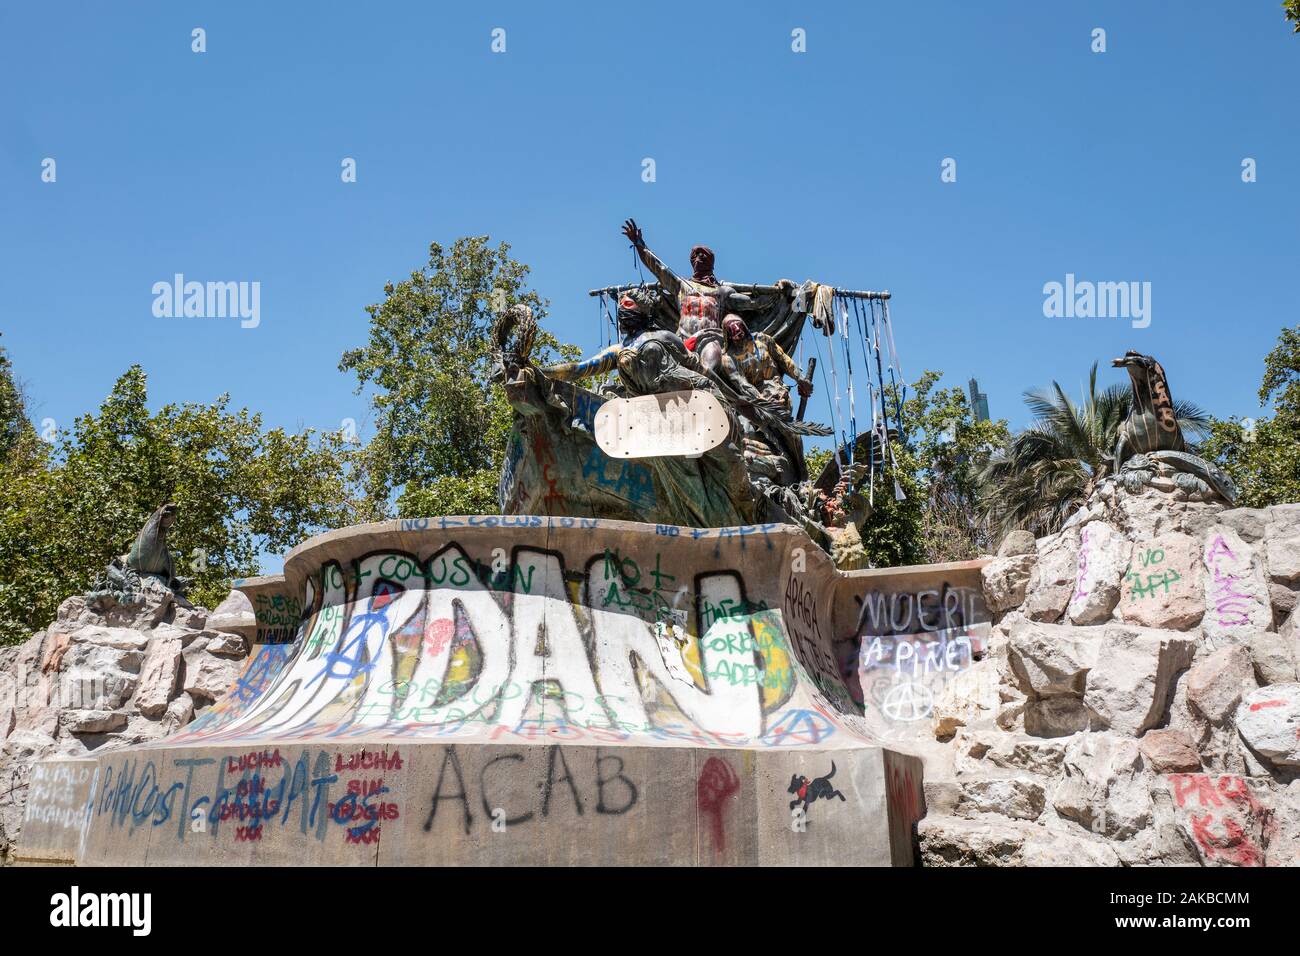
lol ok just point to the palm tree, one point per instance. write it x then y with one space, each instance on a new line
1048 471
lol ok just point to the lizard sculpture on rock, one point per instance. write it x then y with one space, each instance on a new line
1151 438
148 557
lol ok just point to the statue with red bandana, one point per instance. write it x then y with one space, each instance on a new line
702 300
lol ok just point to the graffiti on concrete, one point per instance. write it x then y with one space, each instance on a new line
717 784
909 644
201 795
807 792
583 782
277 618
522 645
56 796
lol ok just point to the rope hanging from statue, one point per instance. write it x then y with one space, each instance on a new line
829 331
609 328
848 372
871 393
900 387
887 450
827 389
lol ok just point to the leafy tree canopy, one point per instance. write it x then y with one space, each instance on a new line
1046 472
1263 455
67 509
441 423
936 464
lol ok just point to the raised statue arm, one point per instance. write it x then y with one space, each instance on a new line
667 278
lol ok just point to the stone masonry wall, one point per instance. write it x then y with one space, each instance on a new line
102 678
1139 702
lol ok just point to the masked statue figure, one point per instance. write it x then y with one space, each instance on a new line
649 360
702 300
759 361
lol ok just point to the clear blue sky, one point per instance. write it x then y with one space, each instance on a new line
225 166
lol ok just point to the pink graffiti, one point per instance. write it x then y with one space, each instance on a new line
1217 832
1231 605
1219 547
1079 592
438 634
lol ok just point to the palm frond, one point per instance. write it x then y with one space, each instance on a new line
1044 473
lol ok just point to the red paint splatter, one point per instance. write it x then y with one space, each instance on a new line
717 783
1267 703
902 794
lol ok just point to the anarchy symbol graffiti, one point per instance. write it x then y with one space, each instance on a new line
908 702
798 727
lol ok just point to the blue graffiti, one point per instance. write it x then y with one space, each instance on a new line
796 727
351 659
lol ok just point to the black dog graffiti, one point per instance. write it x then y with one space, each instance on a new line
809 791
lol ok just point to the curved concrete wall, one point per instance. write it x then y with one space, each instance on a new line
528 629
605 692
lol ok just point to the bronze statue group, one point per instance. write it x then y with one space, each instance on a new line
734 342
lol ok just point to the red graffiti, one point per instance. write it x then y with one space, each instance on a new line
385 593
253 761
1234 844
366 787
353 811
1209 791
1218 833
717 784
362 816
904 804
553 498
1267 703
369 760
248 834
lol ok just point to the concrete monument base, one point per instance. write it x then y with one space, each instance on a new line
424 803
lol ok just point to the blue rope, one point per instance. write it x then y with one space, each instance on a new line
848 365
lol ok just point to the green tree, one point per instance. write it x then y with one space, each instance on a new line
1046 472
952 447
1292 8
892 535
241 491
1263 457
936 463
13 407
441 423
